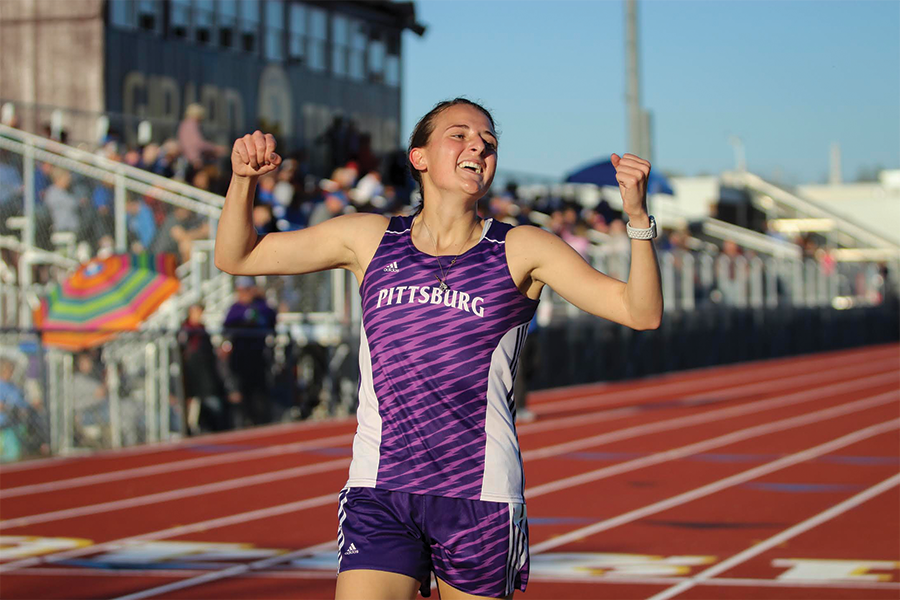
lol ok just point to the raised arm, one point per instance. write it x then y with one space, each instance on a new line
345 242
539 257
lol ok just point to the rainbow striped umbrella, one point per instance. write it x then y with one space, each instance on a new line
105 297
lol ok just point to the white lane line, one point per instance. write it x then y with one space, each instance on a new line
234 571
337 440
736 582
762 368
173 467
717 486
826 390
208 488
275 560
177 573
329 574
716 442
531 455
780 538
735 381
264 432
179 530
716 394
185 529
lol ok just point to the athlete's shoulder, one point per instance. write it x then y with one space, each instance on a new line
527 234
363 221
360 232
528 242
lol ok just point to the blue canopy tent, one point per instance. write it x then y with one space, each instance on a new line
604 173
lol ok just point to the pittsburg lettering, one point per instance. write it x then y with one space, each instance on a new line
431 295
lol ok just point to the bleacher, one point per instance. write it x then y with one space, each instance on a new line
714 263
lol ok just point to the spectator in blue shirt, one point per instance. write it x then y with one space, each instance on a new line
140 222
13 413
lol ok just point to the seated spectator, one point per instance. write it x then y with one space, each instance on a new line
141 224
133 158
62 204
150 155
91 403
336 196
202 179
263 220
178 232
165 163
98 228
265 191
368 190
196 149
13 410
502 208
11 186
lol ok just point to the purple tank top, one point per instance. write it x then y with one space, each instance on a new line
436 412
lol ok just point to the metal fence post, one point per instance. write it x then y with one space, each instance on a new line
68 407
797 280
53 404
668 280
773 268
723 279
811 269
29 199
756 282
822 286
164 387
687 281
151 393
115 415
739 281
339 295
121 214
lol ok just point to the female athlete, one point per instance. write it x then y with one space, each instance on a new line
436 482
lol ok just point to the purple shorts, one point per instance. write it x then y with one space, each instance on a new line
478 547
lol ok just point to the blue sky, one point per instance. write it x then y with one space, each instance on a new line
787 77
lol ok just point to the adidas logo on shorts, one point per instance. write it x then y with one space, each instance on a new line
351 550
392 268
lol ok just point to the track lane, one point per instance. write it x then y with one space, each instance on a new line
782 537
53 469
722 524
204 579
337 465
275 458
305 519
235 442
776 366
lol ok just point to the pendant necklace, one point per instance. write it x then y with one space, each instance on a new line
443 278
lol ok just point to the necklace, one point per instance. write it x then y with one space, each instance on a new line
443 278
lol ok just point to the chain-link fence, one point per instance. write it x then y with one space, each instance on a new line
150 386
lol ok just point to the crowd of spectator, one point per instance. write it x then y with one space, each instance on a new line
292 197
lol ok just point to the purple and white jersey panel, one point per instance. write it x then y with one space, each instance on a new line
436 411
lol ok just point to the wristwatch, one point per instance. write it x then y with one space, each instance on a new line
642 234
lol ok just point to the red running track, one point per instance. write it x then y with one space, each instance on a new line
773 479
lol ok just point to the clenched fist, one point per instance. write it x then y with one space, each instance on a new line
632 173
254 155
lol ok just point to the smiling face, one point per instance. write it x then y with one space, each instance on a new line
461 153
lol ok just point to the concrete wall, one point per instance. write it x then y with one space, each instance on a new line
51 53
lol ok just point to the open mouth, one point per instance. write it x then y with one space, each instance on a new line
474 167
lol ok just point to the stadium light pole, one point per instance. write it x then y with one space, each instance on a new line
632 84
740 159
